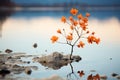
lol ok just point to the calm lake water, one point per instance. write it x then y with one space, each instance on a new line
19 30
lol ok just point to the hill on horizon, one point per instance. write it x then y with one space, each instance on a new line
94 2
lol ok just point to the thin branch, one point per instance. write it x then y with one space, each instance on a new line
78 37
68 23
77 32
71 68
76 40
65 35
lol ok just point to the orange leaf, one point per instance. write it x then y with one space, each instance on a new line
85 19
69 37
81 44
73 11
96 77
87 14
97 41
59 31
81 73
79 16
71 18
75 23
71 27
54 39
93 33
90 77
63 19
89 39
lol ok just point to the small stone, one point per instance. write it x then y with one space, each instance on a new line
8 51
28 70
4 72
114 74
103 77
110 58
35 45
118 77
28 62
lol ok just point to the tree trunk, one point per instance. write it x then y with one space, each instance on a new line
71 52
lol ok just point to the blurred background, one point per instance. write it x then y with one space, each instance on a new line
25 22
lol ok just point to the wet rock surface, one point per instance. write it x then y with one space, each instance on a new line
10 64
56 60
103 77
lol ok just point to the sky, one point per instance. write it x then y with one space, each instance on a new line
107 2
35 30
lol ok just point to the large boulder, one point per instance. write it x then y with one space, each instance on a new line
56 60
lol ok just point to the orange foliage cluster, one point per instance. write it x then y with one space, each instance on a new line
92 39
81 44
73 11
90 77
63 19
78 25
81 73
59 31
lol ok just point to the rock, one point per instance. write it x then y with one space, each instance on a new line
57 55
110 58
4 72
11 62
9 57
0 51
77 58
118 77
104 77
28 62
35 59
35 45
28 70
16 69
15 66
114 74
1 62
56 60
8 51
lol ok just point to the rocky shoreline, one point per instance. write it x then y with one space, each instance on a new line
13 64
10 64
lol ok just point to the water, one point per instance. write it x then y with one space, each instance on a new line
19 30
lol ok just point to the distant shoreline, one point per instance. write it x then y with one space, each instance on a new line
60 8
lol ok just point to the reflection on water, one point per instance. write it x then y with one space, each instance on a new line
57 60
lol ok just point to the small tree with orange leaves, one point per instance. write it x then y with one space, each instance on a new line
78 30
